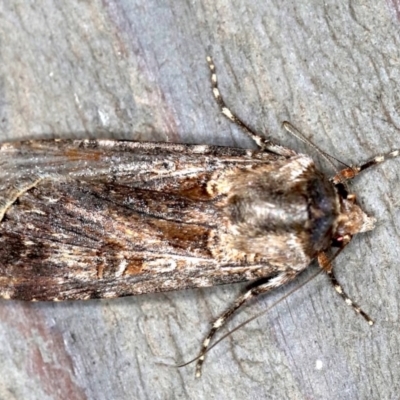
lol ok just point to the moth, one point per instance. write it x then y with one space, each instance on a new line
84 219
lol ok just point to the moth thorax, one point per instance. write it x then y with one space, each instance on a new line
292 214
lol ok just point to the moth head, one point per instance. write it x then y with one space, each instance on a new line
352 219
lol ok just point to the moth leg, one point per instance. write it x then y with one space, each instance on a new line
250 294
262 143
326 265
351 172
12 194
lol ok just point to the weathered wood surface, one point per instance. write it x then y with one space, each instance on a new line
136 69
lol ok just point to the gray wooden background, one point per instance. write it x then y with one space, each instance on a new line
136 69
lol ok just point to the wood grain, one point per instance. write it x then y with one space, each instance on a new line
136 69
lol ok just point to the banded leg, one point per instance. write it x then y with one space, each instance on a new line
261 142
250 294
326 265
351 172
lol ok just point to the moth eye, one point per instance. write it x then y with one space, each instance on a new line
342 190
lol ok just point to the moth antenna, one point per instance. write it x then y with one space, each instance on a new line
352 172
300 136
273 282
326 265
262 143
247 321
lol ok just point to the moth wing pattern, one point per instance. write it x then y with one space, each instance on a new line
101 219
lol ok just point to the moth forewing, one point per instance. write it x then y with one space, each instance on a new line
108 219
101 218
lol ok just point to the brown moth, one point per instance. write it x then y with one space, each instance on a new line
83 219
